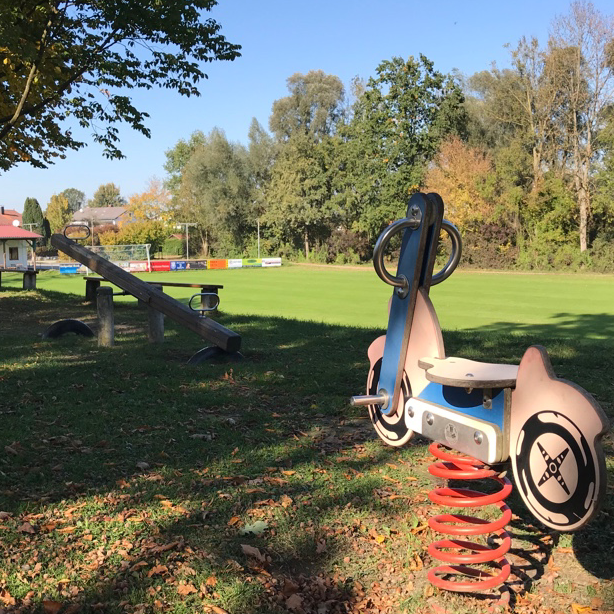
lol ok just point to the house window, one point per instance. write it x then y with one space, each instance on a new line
13 253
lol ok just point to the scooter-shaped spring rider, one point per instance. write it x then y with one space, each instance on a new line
550 429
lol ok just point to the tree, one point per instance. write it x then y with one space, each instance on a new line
33 214
215 192
58 213
153 232
107 195
75 198
314 106
261 157
584 39
396 129
460 175
62 58
152 204
178 157
300 190
300 208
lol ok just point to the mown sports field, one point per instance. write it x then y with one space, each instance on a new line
133 483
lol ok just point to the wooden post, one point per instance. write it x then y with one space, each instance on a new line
106 320
155 319
207 328
29 281
91 286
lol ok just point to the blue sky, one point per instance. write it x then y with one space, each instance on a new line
341 37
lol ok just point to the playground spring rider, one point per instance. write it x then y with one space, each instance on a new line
550 429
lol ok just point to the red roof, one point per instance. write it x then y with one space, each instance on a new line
15 232
8 215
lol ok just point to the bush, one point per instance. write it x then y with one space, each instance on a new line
344 246
173 246
46 252
602 254
490 246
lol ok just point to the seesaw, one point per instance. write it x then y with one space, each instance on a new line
548 428
226 341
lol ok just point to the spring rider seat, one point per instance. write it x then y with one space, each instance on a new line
549 429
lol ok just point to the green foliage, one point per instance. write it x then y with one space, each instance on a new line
173 247
58 214
178 157
137 233
61 59
75 198
300 209
313 107
33 214
215 192
107 195
397 126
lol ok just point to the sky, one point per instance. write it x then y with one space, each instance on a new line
346 38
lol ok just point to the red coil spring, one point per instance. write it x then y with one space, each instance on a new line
455 467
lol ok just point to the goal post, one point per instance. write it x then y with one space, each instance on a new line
118 254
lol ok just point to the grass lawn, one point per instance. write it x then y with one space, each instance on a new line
132 483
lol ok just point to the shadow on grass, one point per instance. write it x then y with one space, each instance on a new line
122 428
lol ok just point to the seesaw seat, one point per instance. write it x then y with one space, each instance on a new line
464 373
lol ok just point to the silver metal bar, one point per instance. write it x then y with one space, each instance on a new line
369 399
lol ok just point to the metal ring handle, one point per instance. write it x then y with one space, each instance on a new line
81 227
454 259
380 248
200 295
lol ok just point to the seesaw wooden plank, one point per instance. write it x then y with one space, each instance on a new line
204 327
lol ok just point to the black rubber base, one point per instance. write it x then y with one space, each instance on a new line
214 354
61 327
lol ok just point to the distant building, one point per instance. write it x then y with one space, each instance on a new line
14 242
8 216
104 215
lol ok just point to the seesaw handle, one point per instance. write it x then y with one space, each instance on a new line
380 248
454 259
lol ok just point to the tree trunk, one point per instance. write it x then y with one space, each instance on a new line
306 245
204 239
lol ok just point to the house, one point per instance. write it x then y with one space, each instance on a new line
8 216
14 244
103 215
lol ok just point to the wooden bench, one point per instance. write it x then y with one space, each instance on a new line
29 276
92 283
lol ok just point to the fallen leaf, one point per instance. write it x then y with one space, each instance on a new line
286 501
289 588
576 608
186 589
257 528
253 552
288 472
142 465
380 539
158 569
26 527
294 602
211 581
217 610
52 607
233 521
67 530
5 515
6 598
46 528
